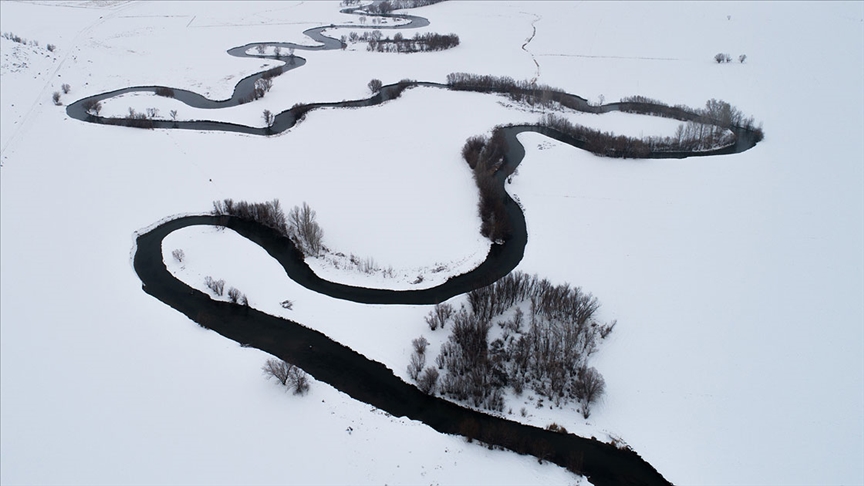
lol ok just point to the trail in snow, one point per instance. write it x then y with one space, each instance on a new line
528 41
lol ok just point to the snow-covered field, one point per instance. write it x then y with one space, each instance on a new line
737 281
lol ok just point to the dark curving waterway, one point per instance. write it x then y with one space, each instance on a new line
338 365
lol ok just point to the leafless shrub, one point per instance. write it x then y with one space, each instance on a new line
590 386
261 87
56 98
305 230
287 304
51 47
66 88
287 374
299 381
428 380
269 118
276 368
217 286
375 85
92 107
178 255
237 297
415 366
439 316
420 345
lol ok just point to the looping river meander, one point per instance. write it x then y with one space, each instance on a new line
343 368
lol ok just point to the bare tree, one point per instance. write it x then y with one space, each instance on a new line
66 88
276 368
415 366
152 112
261 49
287 374
439 315
304 230
178 255
237 297
173 114
374 85
742 58
420 345
298 380
56 98
590 386
269 118
278 51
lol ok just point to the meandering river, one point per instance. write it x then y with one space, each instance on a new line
338 365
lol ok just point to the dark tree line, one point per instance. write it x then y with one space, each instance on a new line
716 112
519 91
299 225
547 351
419 43
485 156
704 129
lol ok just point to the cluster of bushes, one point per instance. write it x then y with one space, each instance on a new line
21 40
547 351
403 4
218 288
721 58
715 112
261 87
133 119
400 44
299 225
519 91
366 265
388 6
92 106
287 374
485 156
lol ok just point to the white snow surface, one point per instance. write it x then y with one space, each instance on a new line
737 281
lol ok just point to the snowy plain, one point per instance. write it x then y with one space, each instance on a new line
737 281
